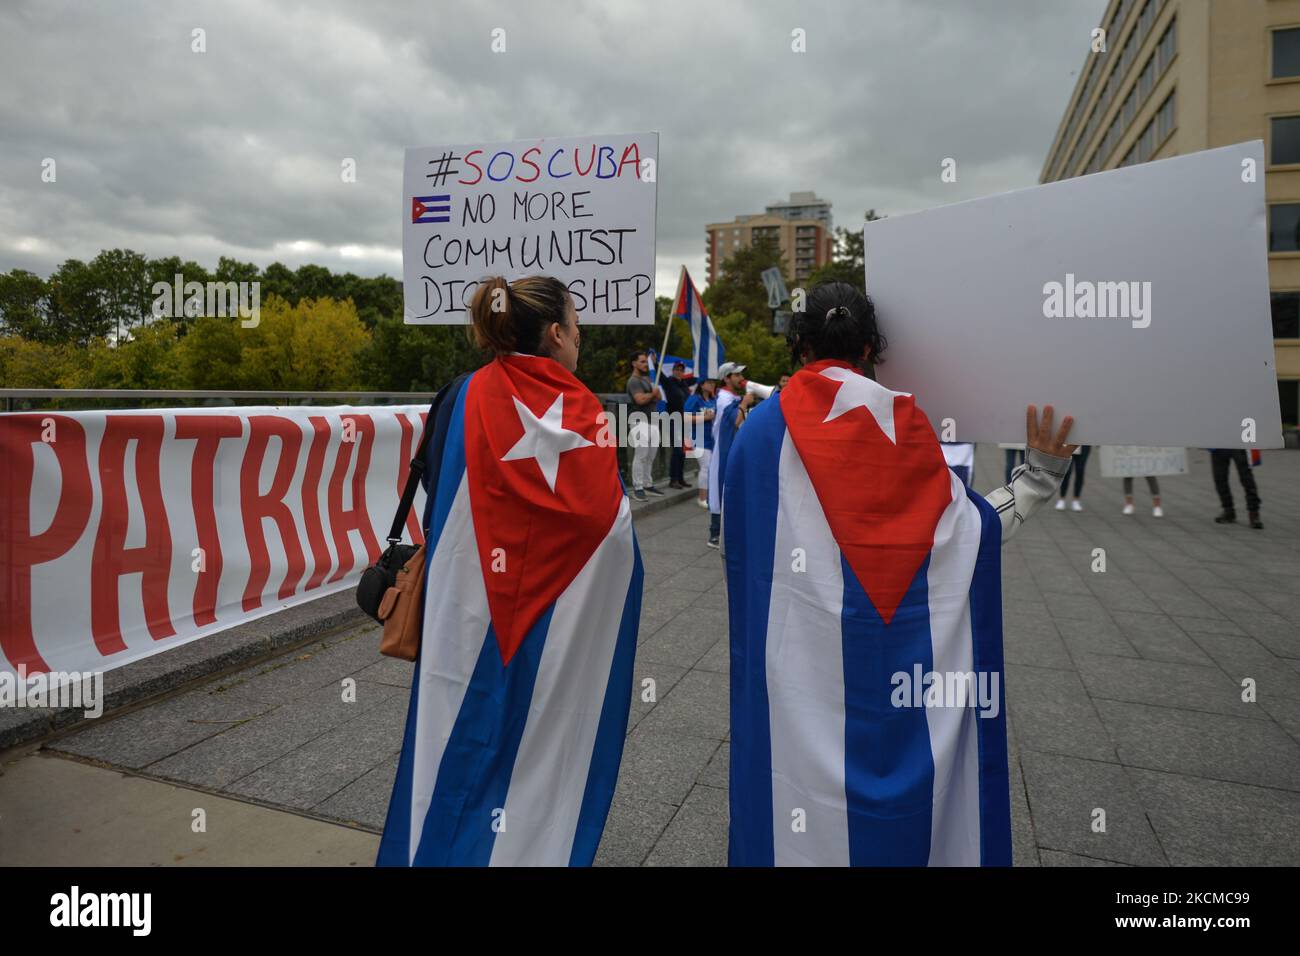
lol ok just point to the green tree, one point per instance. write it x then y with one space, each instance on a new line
209 354
145 360
314 282
23 305
739 286
278 279
122 277
314 345
76 312
25 363
231 270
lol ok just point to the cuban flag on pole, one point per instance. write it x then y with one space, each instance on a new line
520 700
709 353
859 566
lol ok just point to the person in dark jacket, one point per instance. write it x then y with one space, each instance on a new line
1220 459
677 389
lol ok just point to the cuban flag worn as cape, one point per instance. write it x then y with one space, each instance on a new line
520 699
854 554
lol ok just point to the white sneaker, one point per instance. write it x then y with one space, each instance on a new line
1060 504
701 502
1075 505
1157 512
1129 509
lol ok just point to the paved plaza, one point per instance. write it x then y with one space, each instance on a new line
1124 692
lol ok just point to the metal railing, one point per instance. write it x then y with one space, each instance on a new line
88 399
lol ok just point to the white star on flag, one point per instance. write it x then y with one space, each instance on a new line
858 391
545 438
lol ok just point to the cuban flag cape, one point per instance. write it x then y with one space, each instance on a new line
854 554
520 699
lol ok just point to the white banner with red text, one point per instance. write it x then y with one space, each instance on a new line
127 533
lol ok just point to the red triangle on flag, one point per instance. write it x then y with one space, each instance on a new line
882 494
418 209
543 497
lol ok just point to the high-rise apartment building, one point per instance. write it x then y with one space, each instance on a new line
800 226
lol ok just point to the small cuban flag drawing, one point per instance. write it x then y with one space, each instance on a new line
430 208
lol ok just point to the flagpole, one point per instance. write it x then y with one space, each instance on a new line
667 329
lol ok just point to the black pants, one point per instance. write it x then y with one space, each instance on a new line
1014 457
1077 464
715 525
677 465
1219 461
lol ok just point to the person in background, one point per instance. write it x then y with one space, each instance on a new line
734 401
676 389
1077 467
644 394
1153 486
1220 459
700 409
1015 456
782 382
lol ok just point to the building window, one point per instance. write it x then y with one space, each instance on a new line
1284 140
1288 394
1286 315
1284 227
1165 118
1165 52
1286 53
1147 79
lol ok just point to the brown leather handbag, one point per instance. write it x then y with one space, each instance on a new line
401 610
391 589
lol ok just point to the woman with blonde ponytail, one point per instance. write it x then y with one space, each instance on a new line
532 599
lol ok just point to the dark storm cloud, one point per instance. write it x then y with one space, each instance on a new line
237 151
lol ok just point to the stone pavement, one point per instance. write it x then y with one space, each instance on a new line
1124 693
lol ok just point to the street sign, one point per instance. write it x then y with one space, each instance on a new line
775 285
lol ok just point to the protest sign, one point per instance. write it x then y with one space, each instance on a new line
580 209
1136 300
1139 461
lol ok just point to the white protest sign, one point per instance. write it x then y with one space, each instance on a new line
1138 461
581 209
1136 300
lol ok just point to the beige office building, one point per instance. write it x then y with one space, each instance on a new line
800 225
1179 76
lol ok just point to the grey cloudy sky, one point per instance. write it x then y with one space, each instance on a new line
237 151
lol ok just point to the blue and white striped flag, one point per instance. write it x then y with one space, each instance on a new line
709 353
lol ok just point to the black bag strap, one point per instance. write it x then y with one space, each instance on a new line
412 482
